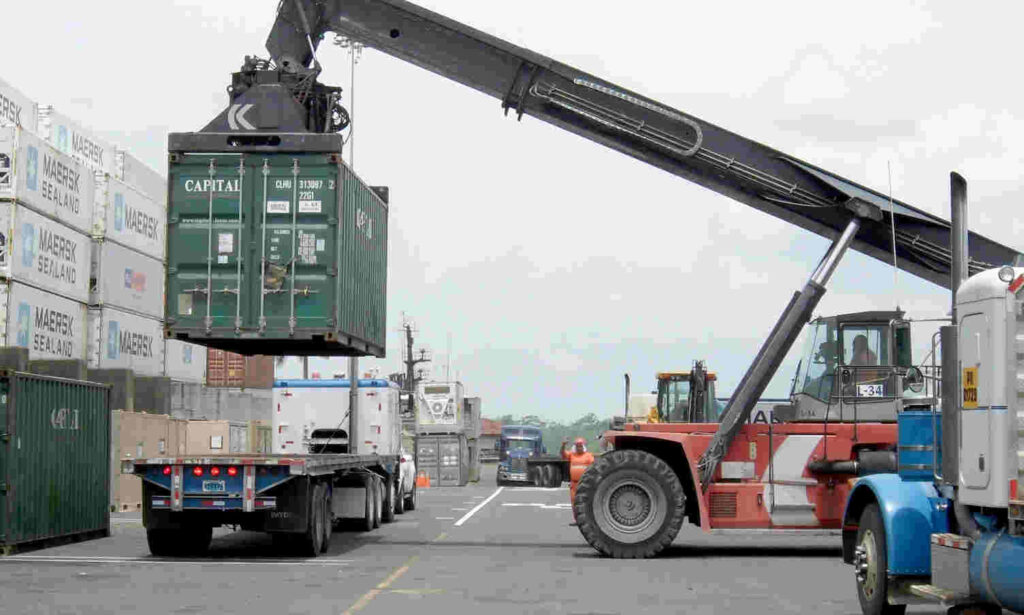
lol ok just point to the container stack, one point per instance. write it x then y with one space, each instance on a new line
45 214
82 247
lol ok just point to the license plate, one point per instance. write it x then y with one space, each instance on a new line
213 486
870 390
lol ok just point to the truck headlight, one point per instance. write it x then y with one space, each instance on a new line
1006 274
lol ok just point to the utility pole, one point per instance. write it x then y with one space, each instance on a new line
411 361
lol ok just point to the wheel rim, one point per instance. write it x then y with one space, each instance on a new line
628 509
865 564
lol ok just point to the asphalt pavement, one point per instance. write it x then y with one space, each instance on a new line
475 549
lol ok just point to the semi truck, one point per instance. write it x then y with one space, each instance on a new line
524 460
948 526
328 466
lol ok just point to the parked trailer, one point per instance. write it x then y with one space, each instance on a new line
296 498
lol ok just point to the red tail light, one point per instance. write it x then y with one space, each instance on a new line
214 471
232 471
198 471
167 470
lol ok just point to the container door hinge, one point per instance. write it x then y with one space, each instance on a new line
5 437
4 488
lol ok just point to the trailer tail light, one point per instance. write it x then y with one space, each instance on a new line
198 470
232 471
214 471
167 470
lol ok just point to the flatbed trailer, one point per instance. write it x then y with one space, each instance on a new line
298 499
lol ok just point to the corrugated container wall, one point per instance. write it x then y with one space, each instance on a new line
184 362
48 325
73 139
140 176
54 458
125 215
43 252
229 369
35 174
118 339
321 232
16 109
125 279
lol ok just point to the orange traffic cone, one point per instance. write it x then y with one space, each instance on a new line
422 479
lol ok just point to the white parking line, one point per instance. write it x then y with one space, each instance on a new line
478 507
98 559
444 518
460 509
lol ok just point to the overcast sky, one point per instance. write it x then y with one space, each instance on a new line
555 264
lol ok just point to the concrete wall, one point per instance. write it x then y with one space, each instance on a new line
193 401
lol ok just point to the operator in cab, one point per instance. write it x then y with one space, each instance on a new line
579 459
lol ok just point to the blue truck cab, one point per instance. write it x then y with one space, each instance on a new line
518 444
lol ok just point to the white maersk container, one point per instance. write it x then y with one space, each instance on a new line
117 339
125 279
140 176
125 215
16 109
43 252
184 362
73 139
35 174
48 325
312 416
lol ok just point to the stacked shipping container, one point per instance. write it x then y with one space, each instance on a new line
82 227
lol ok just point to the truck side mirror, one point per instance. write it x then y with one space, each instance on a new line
901 333
914 380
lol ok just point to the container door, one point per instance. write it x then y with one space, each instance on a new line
427 457
207 219
451 461
299 243
5 456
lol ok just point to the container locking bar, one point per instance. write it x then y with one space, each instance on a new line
263 250
208 321
240 251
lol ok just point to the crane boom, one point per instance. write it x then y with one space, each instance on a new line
531 84
768 180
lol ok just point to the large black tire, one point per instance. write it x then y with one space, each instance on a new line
179 542
629 504
328 523
388 515
871 563
310 542
400 500
554 477
537 476
367 523
378 502
410 500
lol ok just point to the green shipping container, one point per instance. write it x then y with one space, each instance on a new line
275 253
54 459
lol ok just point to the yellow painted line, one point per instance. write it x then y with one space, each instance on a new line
383 585
440 537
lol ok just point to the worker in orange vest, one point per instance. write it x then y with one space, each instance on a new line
578 459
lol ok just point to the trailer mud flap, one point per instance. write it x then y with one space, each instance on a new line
292 513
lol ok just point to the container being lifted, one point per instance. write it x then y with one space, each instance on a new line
281 253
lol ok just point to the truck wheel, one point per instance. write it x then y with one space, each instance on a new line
554 477
389 501
310 542
378 502
400 500
871 565
629 504
367 523
537 476
410 500
327 525
164 543
198 541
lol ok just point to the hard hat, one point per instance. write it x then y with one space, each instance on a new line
581 442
